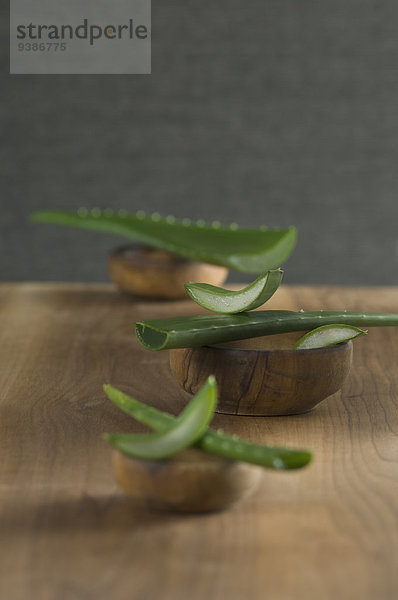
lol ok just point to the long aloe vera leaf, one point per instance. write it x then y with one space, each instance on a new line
247 250
203 330
328 335
221 300
182 432
212 441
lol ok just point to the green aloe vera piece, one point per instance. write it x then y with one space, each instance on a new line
188 332
214 442
247 250
182 432
220 300
328 335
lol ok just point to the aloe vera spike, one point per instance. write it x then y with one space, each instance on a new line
157 419
221 300
183 432
204 330
246 250
328 335
214 442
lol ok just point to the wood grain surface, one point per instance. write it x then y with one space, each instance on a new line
68 533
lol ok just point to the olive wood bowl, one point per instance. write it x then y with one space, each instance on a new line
262 376
152 273
191 481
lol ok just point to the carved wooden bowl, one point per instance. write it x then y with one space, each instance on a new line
262 376
191 481
153 273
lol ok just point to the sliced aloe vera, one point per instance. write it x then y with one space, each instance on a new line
328 335
189 332
183 431
247 250
214 442
220 300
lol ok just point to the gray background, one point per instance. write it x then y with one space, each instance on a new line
279 112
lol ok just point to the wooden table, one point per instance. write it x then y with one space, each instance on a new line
68 533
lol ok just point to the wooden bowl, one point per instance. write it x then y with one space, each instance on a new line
153 273
262 376
191 481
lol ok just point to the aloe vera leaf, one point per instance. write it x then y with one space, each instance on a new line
183 431
220 300
203 330
328 335
214 442
247 250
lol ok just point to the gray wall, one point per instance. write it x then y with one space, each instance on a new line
279 112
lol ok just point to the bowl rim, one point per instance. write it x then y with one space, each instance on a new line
189 458
325 349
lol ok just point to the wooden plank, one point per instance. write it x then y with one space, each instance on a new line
68 533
